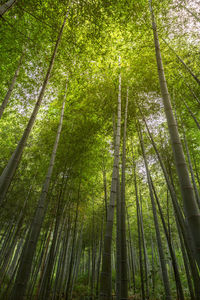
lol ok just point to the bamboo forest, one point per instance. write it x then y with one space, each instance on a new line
99 149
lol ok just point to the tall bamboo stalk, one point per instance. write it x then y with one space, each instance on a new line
105 281
190 206
10 169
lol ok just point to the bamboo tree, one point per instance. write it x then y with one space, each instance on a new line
186 266
99 258
191 113
144 249
105 281
93 253
30 246
139 236
124 280
131 253
45 289
191 168
6 6
182 62
11 87
196 171
190 206
158 236
77 261
118 243
180 294
62 260
9 170
73 247
105 191
179 218
14 239
193 93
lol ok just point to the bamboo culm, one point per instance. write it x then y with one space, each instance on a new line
9 171
105 280
6 6
190 206
158 236
11 87
30 247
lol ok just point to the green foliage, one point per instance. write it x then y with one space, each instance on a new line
95 35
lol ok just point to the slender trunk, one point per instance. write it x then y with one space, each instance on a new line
190 206
185 234
6 6
88 266
93 254
131 253
144 249
191 113
170 186
105 281
45 281
37 261
179 217
118 243
139 237
191 169
29 249
77 262
124 280
72 250
11 87
45 289
153 267
43 260
196 170
99 259
105 192
14 239
191 90
182 62
158 236
186 265
9 170
62 262
180 294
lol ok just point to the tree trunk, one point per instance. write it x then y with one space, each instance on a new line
180 294
72 250
139 236
9 171
30 247
99 259
189 202
144 250
124 280
118 243
186 265
179 217
11 87
6 6
191 168
182 62
158 236
105 281
131 254
191 113
105 191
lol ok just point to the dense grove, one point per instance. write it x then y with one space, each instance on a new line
99 149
